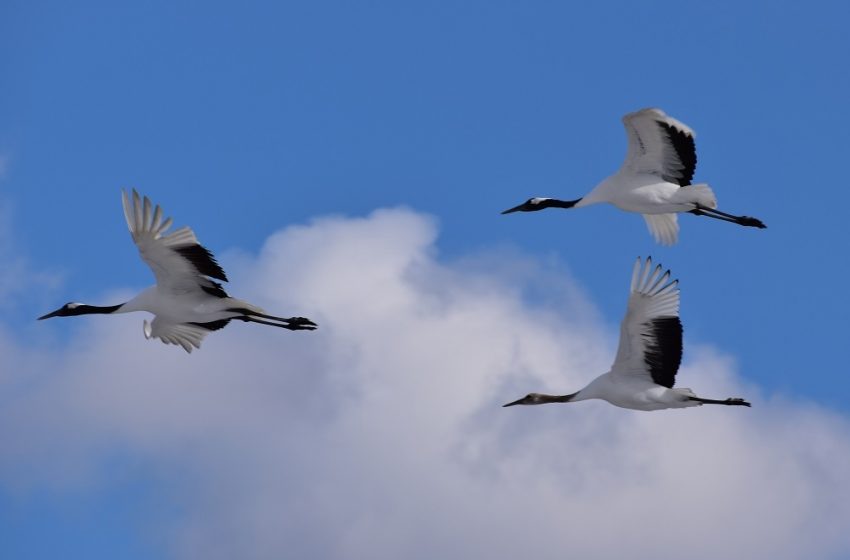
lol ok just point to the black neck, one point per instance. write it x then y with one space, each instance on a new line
558 398
555 203
84 309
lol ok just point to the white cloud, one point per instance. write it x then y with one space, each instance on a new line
381 435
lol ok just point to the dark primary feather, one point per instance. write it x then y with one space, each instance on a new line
203 261
213 325
663 349
686 151
215 289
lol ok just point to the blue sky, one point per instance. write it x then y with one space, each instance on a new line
241 120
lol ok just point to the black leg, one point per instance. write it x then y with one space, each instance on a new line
291 320
296 326
730 401
748 221
743 220
295 321
701 212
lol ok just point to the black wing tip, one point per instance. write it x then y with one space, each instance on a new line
203 260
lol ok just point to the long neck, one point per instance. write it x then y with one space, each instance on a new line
555 203
557 398
96 309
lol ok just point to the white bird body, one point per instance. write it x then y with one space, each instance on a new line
186 301
645 194
654 180
635 392
190 307
649 353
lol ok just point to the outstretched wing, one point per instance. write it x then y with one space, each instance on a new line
179 263
663 227
660 145
651 332
187 335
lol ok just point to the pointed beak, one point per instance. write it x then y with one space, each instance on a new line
514 209
514 403
49 315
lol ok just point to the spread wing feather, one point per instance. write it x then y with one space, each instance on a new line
660 145
663 227
180 264
651 332
187 335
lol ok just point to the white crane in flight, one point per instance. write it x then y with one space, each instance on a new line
655 179
187 302
650 351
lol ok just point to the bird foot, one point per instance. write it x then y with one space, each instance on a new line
737 401
751 222
300 324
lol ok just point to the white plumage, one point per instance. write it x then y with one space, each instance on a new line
187 302
649 353
654 180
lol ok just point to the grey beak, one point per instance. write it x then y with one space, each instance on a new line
514 209
513 403
49 315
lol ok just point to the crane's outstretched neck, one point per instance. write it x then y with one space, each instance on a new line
539 203
73 309
555 203
540 398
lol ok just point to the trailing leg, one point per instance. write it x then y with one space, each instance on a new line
302 322
292 326
748 221
733 401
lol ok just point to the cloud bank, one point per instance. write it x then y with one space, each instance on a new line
381 435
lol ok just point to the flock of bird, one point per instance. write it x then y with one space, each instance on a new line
188 303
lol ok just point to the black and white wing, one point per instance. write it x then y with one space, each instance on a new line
187 335
180 264
651 332
659 145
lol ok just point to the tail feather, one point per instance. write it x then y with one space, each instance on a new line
697 194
